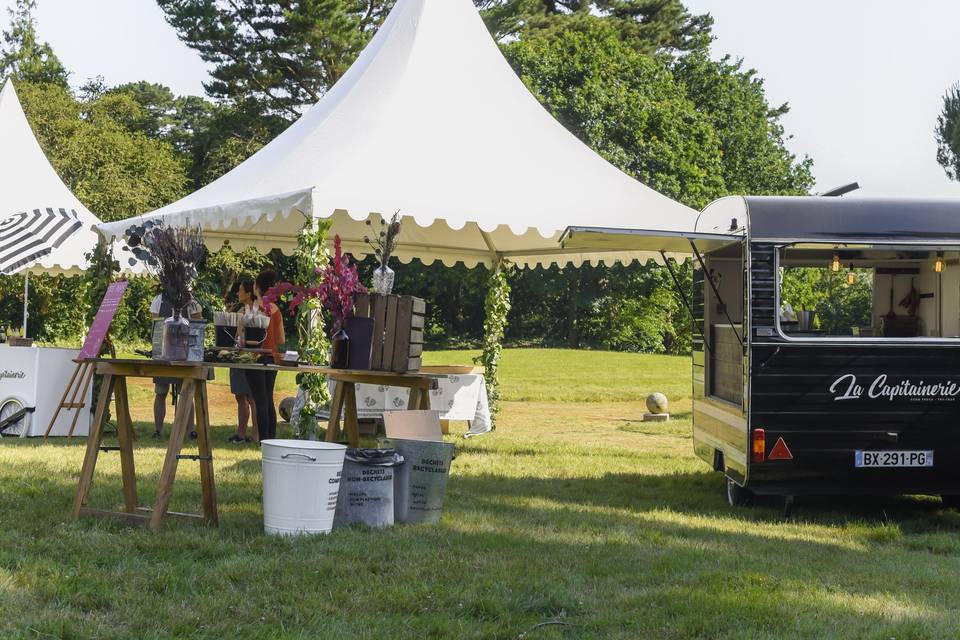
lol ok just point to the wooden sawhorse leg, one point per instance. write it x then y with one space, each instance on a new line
125 437
419 399
93 445
350 418
344 401
177 433
207 485
336 408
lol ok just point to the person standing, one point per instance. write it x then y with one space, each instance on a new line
262 381
160 310
248 305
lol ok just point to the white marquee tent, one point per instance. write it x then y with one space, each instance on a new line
54 230
431 121
44 228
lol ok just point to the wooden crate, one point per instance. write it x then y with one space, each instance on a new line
398 323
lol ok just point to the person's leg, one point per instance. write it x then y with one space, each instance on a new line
243 415
253 418
258 387
159 406
270 383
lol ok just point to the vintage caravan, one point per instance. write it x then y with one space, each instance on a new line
858 395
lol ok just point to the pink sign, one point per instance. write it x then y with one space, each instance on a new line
101 323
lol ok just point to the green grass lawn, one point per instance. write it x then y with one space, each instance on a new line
573 520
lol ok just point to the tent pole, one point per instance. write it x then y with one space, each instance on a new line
26 295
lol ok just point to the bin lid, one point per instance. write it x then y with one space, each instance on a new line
278 448
375 457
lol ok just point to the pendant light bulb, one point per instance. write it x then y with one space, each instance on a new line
851 276
938 264
836 262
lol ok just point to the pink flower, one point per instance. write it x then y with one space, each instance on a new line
339 283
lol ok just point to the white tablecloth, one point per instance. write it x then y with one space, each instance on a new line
457 397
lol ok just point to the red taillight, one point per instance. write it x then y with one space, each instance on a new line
759 445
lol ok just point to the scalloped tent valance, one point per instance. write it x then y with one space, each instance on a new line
431 121
30 188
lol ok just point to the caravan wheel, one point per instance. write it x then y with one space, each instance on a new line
8 407
737 496
951 501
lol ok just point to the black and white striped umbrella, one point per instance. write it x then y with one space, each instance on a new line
28 236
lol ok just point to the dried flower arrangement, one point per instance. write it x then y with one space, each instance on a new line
172 253
338 284
386 241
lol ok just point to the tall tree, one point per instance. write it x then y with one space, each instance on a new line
281 55
625 105
647 26
284 55
117 173
22 56
755 158
947 133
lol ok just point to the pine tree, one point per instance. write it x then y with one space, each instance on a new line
275 57
647 26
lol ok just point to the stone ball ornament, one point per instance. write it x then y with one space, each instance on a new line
657 403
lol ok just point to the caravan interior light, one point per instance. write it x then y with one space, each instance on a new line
938 265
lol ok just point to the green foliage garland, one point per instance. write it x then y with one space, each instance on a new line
313 343
494 326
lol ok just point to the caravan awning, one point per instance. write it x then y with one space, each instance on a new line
598 239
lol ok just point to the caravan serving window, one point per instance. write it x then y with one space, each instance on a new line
868 291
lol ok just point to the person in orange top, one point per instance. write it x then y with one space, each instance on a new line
262 382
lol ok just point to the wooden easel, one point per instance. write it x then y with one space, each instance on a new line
193 395
82 376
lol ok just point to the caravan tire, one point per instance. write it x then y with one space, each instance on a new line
737 496
951 501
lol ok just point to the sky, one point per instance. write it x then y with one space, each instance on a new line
864 78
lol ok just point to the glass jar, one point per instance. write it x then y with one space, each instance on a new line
176 338
383 280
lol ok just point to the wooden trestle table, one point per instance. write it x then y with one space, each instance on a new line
193 393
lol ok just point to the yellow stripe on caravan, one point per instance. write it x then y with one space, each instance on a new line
733 454
734 420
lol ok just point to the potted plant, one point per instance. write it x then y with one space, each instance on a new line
383 245
339 283
173 254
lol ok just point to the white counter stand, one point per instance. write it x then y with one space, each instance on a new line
37 376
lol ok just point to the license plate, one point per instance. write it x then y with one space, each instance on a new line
893 459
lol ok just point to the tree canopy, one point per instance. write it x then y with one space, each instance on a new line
647 26
692 128
23 56
275 57
631 78
948 133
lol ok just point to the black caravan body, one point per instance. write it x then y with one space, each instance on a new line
859 394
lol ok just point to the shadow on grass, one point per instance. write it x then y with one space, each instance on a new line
509 553
702 494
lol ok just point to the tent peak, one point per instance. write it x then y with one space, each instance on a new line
432 120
